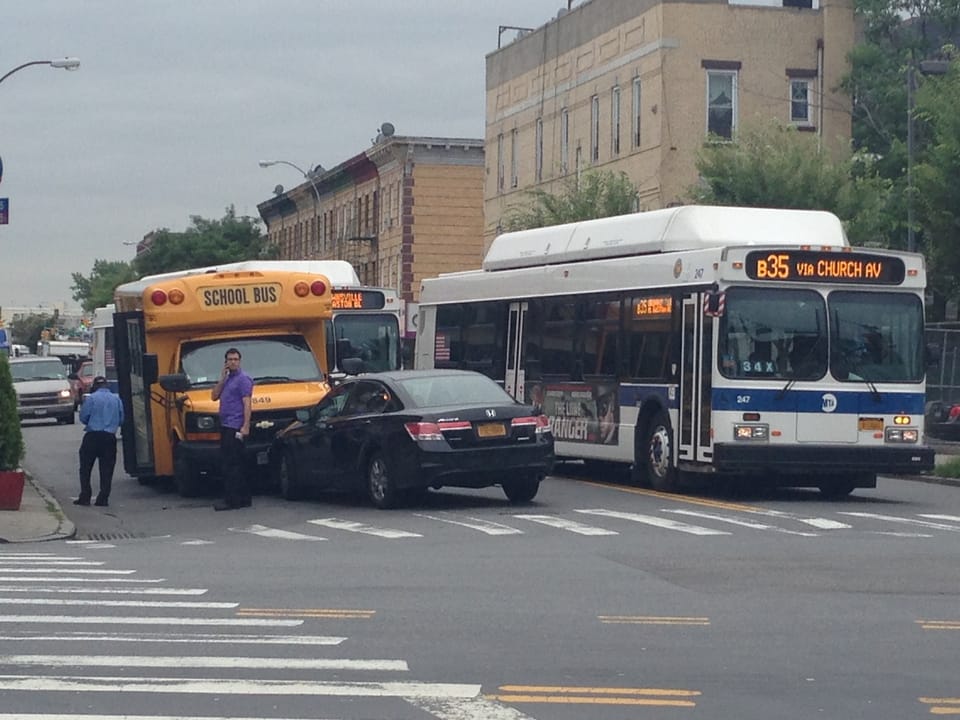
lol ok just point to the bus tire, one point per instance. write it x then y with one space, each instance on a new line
186 477
381 486
661 474
838 486
522 490
290 486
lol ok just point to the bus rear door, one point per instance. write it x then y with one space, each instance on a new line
514 377
693 439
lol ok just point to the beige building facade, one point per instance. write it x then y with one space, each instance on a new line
639 85
405 209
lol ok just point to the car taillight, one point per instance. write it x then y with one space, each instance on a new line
541 422
423 431
954 412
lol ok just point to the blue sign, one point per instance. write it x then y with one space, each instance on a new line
4 211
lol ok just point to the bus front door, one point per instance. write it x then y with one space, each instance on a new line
693 439
130 344
514 375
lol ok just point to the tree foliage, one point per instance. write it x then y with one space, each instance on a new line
776 166
597 194
96 289
26 330
11 437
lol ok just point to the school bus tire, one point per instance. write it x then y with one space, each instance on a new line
661 474
186 477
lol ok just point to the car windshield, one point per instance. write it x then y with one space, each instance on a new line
434 390
38 370
278 359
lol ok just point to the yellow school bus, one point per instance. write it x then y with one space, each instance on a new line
170 336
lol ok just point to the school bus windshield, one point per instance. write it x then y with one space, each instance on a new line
271 359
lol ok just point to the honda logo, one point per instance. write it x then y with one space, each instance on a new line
491 413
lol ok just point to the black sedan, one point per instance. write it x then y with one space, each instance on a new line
395 434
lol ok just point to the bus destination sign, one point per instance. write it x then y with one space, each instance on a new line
357 300
829 267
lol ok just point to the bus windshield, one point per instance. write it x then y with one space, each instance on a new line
270 359
375 339
782 334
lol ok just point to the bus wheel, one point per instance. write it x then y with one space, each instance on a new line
380 485
186 476
661 474
523 490
290 487
837 487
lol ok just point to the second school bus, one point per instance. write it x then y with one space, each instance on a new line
170 337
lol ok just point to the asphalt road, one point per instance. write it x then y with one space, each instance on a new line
599 600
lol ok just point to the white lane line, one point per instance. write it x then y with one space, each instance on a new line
98 716
351 526
485 526
818 522
43 563
950 518
478 708
102 590
120 603
4 553
99 546
264 531
237 639
904 521
79 571
247 686
107 620
5 578
197 542
741 523
211 661
655 521
570 525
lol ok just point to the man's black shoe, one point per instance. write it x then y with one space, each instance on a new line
100 503
80 501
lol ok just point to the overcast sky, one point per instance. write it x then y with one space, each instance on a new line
175 103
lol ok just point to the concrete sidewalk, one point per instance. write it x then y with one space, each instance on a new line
40 517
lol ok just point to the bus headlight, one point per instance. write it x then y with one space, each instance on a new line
901 435
206 422
751 433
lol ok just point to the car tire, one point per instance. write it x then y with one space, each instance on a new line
523 490
381 486
186 477
289 483
658 455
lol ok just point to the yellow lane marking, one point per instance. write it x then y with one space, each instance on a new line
306 612
939 624
562 694
652 620
671 496
941 705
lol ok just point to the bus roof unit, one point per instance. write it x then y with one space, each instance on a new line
689 227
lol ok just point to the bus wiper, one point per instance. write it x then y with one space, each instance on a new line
786 388
874 393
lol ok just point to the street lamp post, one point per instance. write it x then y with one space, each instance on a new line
316 194
67 63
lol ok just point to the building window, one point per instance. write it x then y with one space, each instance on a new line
564 141
501 169
721 103
514 178
594 128
800 106
615 121
635 130
538 151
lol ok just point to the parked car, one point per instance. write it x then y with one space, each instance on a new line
81 381
942 420
395 434
42 388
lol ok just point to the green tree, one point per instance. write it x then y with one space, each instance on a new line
11 438
775 166
597 194
96 289
205 242
26 330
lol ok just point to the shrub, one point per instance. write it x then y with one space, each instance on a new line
11 439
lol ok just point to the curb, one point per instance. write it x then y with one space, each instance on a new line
931 479
65 527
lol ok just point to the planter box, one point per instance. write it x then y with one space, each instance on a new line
11 489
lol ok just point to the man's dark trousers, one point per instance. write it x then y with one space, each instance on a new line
100 447
236 489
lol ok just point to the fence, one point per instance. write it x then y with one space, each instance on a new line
943 379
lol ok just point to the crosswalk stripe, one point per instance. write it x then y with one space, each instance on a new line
817 522
741 523
211 638
264 531
665 523
77 589
100 716
570 525
5 578
478 708
117 620
485 526
211 661
358 527
904 521
79 571
119 603
949 518
246 686
44 563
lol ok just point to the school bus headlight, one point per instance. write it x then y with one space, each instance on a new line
751 432
901 435
206 422
301 289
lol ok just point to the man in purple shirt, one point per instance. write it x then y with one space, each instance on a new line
233 390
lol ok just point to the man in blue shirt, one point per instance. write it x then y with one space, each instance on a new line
101 414
234 391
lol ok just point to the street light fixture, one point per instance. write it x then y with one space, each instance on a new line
311 178
67 63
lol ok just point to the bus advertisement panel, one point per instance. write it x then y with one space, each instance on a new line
722 341
170 337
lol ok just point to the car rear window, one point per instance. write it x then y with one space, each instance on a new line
433 390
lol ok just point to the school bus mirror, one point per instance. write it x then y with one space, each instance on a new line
175 383
151 369
351 365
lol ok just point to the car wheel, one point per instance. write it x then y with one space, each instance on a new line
661 473
186 476
523 490
70 419
290 487
380 484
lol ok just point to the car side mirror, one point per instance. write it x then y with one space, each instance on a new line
303 415
174 383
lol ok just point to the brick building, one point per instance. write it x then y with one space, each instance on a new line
405 209
637 86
